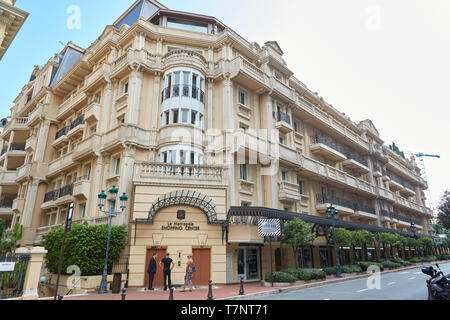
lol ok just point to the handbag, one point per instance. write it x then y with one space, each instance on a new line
194 269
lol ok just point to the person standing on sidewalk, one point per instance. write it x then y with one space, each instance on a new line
167 264
152 267
189 277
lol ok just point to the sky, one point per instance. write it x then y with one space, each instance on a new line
383 60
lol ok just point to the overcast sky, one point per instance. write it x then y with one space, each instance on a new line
382 60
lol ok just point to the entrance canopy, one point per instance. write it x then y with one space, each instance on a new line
269 213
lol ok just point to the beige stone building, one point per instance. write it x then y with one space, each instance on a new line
205 132
11 20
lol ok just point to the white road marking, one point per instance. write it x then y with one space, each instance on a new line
362 290
412 278
406 272
418 273
326 299
392 283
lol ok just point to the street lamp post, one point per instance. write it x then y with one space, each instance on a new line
111 214
332 213
413 229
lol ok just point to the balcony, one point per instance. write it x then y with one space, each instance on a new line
36 170
161 173
183 91
329 174
365 212
81 188
15 124
8 177
403 220
355 166
377 172
16 149
184 57
68 106
61 164
129 134
246 187
282 89
92 113
30 144
87 147
42 111
289 192
96 77
345 207
386 194
283 122
327 148
61 137
18 205
245 72
76 128
64 195
49 200
6 207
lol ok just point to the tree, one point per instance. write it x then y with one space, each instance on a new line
427 243
343 239
2 227
85 247
298 234
444 211
8 242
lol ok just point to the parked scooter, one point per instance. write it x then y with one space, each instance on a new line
438 285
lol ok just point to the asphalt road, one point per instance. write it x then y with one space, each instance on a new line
402 285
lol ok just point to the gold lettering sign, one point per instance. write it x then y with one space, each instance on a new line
181 226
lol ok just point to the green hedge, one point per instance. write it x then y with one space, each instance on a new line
352 268
292 275
443 257
280 277
364 265
85 247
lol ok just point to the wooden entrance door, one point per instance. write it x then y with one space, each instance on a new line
202 260
158 281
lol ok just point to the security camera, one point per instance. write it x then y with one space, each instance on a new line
42 279
3 122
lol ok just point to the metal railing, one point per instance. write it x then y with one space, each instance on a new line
17 147
12 283
6 203
51 196
400 181
328 142
61 133
357 158
178 90
357 206
376 168
66 191
78 121
281 116
5 149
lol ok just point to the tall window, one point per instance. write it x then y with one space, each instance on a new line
125 87
116 166
242 97
244 172
284 175
301 186
82 210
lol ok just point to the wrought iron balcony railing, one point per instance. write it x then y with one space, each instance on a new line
6 203
178 90
400 181
5 149
376 168
61 133
329 142
281 116
364 208
357 206
51 196
17 147
66 191
77 122
357 158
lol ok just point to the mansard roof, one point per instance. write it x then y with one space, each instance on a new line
140 9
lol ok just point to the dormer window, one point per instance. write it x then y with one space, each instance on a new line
187 25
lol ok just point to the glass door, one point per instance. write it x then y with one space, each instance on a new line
248 264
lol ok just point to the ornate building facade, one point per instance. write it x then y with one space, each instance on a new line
205 132
11 20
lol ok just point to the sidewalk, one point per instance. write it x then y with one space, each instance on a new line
230 292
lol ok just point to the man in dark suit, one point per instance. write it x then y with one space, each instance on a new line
152 271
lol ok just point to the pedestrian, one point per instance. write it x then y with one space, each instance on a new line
189 277
168 265
152 271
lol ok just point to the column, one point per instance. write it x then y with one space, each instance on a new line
134 96
32 278
125 183
42 141
228 126
210 114
156 99
97 185
30 202
105 114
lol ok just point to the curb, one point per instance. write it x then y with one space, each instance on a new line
324 283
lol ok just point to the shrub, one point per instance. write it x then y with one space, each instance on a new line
352 268
390 264
280 277
428 259
415 260
330 270
85 248
443 257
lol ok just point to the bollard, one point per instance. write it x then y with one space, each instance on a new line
210 293
124 294
241 290
60 297
171 293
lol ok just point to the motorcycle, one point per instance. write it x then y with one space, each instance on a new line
438 285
